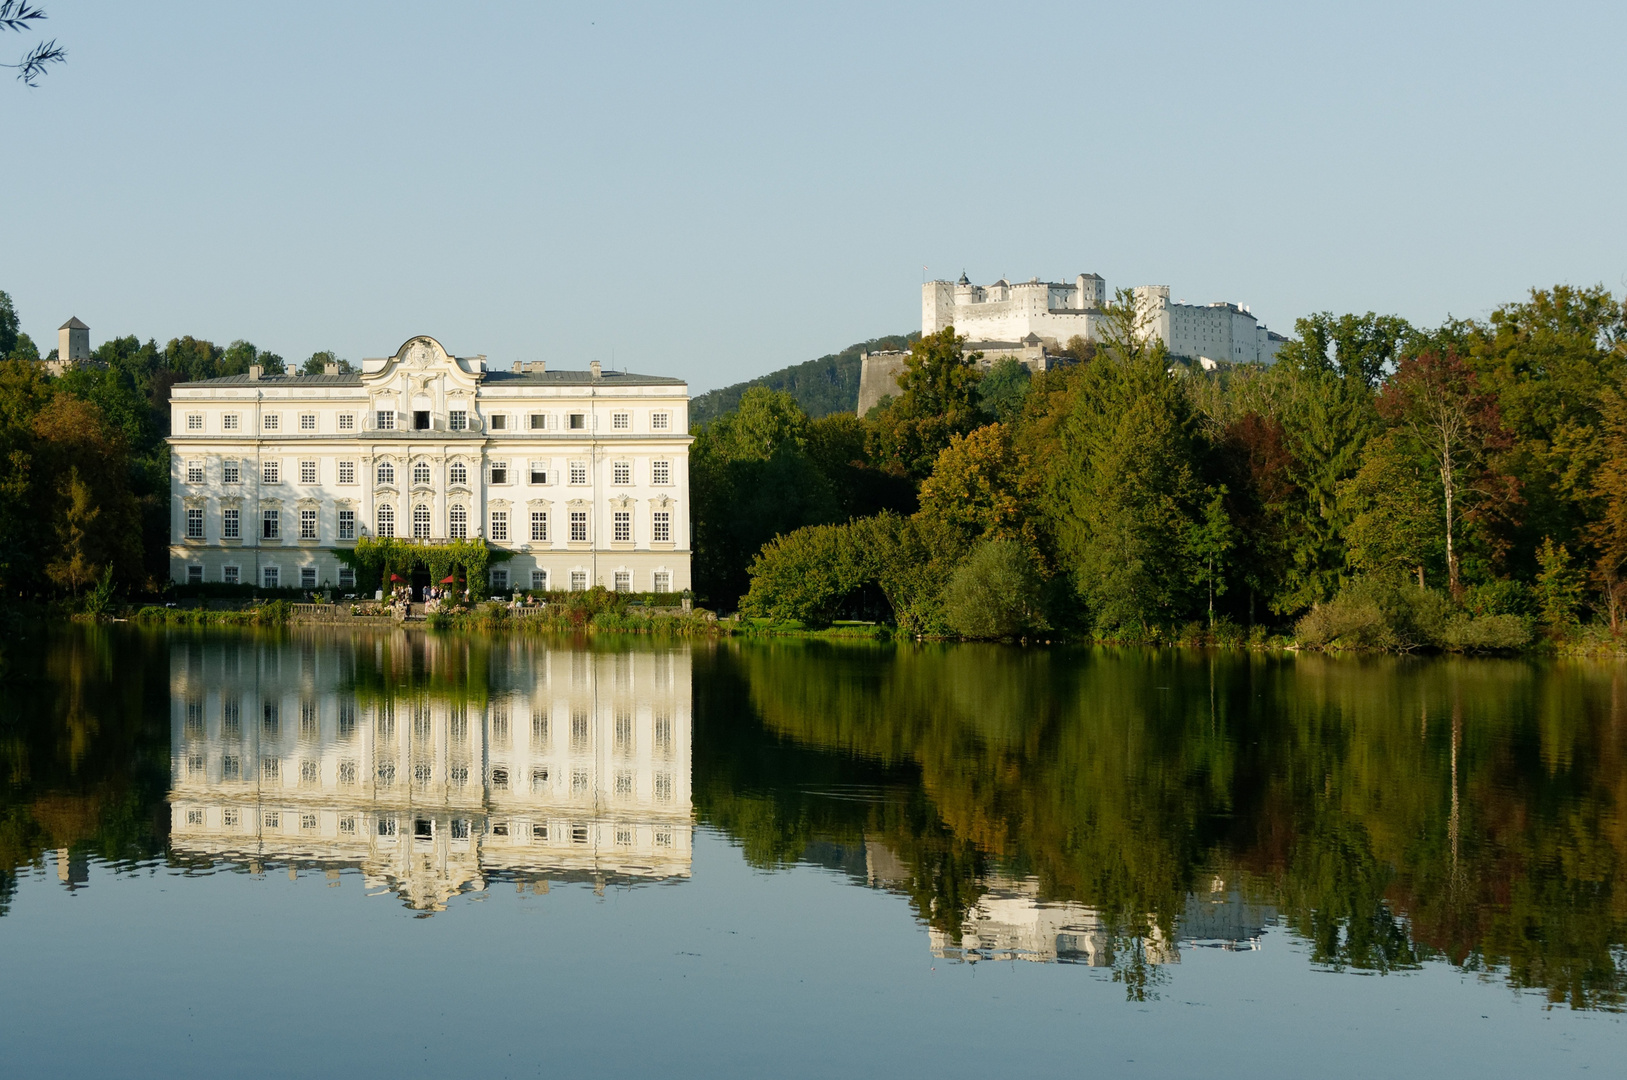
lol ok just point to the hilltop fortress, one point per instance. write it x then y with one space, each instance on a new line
1031 322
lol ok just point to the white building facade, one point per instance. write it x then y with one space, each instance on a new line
582 476
1004 316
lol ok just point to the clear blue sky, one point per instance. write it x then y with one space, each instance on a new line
717 191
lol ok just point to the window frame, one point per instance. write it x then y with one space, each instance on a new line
271 524
193 529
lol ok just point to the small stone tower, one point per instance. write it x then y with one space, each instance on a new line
73 341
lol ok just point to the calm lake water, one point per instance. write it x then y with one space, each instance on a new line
312 853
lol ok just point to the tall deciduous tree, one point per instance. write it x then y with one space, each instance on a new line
1439 411
937 400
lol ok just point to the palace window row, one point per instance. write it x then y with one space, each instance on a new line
498 472
389 419
306 524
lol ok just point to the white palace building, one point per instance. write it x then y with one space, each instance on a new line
582 475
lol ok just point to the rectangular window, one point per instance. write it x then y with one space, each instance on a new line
499 472
307 472
347 472
194 524
662 526
307 421
194 575
228 422
307 526
307 822
271 472
579 581
539 525
385 419
270 421
229 472
347 421
271 525
660 472
578 421
420 420
270 577
307 577
621 472
228 575
579 525
499 422
539 421
499 524
229 524
539 580
579 472
347 526
622 523
458 420
619 421
539 472
194 817
194 421
499 579
660 421
347 577
663 581
194 472
539 832
624 581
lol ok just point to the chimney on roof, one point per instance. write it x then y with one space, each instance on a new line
593 368
519 367
330 368
255 371
537 367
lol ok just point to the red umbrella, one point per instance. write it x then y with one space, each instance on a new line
397 577
449 580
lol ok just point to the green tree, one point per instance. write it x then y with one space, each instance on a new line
1121 484
1211 540
1559 587
995 593
982 489
937 400
1440 413
1002 389
751 479
1393 511
8 325
319 361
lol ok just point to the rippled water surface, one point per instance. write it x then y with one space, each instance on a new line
322 854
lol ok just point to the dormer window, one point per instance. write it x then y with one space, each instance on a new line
386 419
420 420
458 420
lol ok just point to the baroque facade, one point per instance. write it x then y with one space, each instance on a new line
582 476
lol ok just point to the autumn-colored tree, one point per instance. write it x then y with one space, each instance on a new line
1438 411
982 489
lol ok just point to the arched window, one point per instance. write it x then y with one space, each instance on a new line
420 473
458 523
386 473
386 520
458 473
420 522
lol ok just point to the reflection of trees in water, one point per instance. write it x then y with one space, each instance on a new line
1395 810
84 750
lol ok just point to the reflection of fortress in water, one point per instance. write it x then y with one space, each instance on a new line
1009 921
565 765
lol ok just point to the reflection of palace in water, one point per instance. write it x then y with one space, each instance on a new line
565 765
1010 921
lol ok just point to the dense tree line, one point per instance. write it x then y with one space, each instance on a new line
820 387
84 469
1380 484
